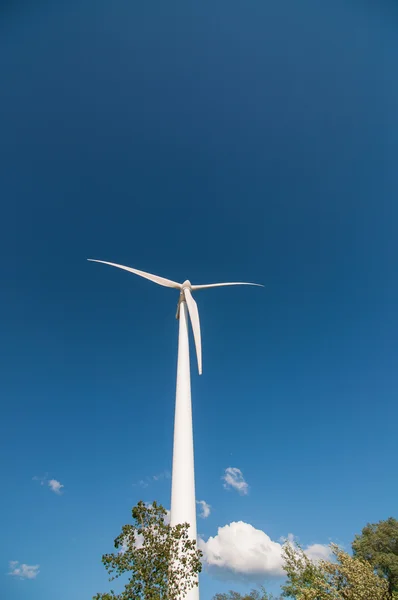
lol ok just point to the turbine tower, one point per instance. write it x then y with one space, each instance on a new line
183 501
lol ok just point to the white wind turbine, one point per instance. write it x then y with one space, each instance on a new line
183 504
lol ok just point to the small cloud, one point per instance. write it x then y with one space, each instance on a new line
23 571
233 478
41 480
144 483
160 476
55 486
205 509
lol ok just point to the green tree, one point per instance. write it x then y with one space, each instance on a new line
161 561
378 544
253 595
303 576
346 578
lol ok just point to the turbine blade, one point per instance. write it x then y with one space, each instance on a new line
154 278
212 285
194 316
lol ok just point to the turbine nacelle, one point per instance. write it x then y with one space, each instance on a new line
185 287
186 290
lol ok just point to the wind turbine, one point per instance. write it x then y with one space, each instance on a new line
183 504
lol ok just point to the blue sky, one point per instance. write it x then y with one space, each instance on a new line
211 141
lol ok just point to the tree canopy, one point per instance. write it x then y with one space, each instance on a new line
162 562
346 578
378 544
260 594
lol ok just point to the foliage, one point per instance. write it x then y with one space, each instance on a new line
253 595
370 574
305 579
348 578
378 544
162 562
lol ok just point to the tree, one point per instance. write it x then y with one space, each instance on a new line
378 544
345 578
349 578
253 595
305 579
162 562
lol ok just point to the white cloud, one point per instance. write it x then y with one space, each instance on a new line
233 478
23 571
40 479
239 550
244 551
205 509
144 483
160 476
318 552
55 486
